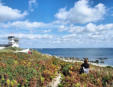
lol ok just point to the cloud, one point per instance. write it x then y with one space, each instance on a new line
46 31
96 36
34 36
31 3
77 29
24 24
88 33
62 28
105 26
69 36
89 28
8 13
29 36
82 13
94 28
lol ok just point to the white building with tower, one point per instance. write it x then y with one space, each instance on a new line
13 42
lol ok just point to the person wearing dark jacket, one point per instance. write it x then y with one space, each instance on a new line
84 67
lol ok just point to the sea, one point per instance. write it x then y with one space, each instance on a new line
101 54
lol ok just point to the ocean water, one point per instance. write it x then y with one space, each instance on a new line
91 53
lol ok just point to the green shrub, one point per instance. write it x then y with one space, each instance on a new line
60 85
13 48
65 69
77 85
109 66
106 79
25 71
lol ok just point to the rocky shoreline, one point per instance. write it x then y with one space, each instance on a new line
97 62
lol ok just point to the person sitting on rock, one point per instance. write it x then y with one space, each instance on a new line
84 67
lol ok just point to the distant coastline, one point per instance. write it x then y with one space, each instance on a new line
97 56
76 60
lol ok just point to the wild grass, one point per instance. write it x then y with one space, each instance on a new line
37 70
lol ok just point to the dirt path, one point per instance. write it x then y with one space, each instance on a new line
55 81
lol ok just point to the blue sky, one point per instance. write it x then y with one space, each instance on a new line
58 23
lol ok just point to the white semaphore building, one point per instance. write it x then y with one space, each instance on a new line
13 42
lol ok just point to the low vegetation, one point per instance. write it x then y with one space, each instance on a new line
97 77
37 70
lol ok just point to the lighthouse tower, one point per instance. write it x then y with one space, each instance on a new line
13 42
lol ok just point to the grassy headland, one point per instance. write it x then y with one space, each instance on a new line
37 70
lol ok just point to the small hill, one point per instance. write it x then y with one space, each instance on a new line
38 70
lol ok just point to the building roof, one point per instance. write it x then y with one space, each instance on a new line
10 37
5 45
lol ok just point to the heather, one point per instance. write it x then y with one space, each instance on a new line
38 70
97 77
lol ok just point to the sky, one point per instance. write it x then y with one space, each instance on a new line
58 23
